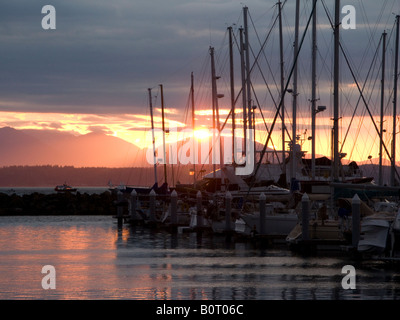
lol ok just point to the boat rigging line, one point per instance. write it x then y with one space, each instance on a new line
252 182
363 99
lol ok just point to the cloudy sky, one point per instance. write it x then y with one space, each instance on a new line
93 71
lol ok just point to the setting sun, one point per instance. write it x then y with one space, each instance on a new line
202 133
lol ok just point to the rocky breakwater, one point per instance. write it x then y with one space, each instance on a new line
58 204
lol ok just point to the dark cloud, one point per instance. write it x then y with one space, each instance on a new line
99 129
105 54
55 125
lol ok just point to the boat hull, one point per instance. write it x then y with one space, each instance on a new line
373 236
275 224
329 230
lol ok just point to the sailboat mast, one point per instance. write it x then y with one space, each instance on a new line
213 109
396 63
163 129
244 100
282 87
232 83
382 105
294 94
336 159
215 95
152 132
313 87
193 122
247 51
215 106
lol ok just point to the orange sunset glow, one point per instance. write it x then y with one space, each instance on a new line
135 129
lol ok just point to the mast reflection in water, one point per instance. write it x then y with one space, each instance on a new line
94 259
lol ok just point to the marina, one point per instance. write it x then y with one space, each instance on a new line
262 217
309 203
307 227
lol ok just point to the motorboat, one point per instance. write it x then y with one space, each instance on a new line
64 188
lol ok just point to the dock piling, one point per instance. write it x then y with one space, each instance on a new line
228 209
262 213
355 222
120 209
152 216
305 212
174 208
133 205
199 210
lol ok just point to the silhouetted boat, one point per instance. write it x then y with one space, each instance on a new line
64 188
162 190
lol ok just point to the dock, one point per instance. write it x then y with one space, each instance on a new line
310 235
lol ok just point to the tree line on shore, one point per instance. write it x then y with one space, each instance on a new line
49 175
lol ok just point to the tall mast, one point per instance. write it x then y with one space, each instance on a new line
154 140
248 83
382 105
215 94
163 130
396 62
244 99
214 99
231 73
336 160
194 142
282 87
294 93
314 84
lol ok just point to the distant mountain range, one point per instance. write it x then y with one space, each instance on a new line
50 147
47 147
96 149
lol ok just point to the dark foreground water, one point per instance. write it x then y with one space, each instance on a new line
93 259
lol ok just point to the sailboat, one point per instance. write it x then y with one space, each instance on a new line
321 227
320 175
164 188
280 219
377 227
380 232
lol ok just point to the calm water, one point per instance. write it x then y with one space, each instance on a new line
94 259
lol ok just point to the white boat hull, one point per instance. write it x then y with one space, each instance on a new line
396 224
373 236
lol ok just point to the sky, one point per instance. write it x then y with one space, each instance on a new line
92 72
